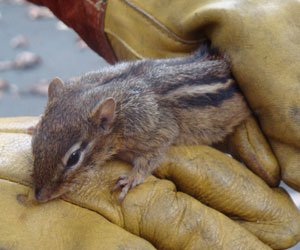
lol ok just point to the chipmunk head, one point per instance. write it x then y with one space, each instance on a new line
64 141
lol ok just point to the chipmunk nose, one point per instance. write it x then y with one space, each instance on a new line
40 195
37 193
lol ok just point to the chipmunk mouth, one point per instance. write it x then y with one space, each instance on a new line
43 195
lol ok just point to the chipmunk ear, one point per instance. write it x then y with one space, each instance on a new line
55 88
104 113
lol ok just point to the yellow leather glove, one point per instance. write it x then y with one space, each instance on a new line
262 40
243 213
154 29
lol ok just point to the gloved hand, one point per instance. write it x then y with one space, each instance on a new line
154 29
243 212
259 37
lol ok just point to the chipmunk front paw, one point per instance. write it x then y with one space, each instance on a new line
127 182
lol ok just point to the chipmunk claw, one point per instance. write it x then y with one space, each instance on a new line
127 182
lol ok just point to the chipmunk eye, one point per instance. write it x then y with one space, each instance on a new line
73 159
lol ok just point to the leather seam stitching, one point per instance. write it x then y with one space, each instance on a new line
159 26
12 180
124 43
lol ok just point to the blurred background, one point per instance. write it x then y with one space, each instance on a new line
34 48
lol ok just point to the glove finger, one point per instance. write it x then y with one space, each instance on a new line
153 210
157 213
249 145
224 184
55 225
268 75
289 159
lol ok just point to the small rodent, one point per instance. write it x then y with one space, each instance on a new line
134 110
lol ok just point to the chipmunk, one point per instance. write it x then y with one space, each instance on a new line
134 110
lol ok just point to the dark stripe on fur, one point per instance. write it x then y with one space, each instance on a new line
192 82
204 51
134 70
209 99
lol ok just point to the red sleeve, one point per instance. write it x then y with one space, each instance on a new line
87 19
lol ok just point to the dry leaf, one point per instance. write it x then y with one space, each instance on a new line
26 60
23 60
40 88
36 12
19 41
5 65
80 44
61 26
18 2
3 85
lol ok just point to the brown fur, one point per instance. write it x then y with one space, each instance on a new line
135 110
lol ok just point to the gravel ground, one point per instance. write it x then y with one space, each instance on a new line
61 55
